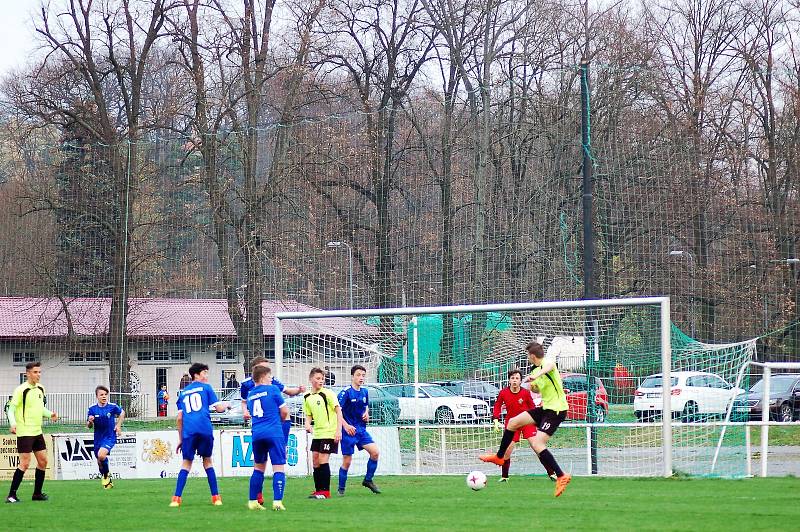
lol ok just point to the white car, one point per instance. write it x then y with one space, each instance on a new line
695 395
436 403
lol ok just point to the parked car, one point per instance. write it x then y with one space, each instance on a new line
784 398
485 391
576 388
384 408
436 403
234 416
696 395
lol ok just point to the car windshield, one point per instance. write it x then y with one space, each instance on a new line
656 381
777 383
480 387
436 391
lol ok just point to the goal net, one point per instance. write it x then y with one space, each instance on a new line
435 373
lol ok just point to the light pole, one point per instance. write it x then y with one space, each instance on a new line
337 244
682 253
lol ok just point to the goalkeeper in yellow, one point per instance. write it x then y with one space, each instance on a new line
25 411
546 380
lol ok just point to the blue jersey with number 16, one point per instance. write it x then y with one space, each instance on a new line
194 401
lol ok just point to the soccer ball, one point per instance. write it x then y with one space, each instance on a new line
476 480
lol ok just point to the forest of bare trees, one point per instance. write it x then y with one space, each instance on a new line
211 148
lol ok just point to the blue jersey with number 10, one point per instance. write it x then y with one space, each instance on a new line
194 401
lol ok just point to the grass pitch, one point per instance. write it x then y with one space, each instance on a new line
420 503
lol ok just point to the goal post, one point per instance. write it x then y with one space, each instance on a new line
633 333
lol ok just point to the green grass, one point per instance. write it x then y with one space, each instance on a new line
422 503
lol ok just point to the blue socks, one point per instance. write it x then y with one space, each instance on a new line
342 478
278 485
182 476
256 484
104 467
372 465
212 481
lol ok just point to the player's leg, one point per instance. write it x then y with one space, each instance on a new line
257 478
371 447
546 427
40 452
507 457
514 424
316 463
24 449
102 463
205 448
277 457
531 439
348 447
188 450
325 471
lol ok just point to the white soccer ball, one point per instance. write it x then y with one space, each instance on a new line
476 480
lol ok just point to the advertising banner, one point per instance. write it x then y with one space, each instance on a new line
157 458
237 453
9 458
76 460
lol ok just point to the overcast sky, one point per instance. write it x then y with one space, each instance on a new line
16 35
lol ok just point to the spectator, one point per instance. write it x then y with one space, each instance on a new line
330 377
163 401
232 382
185 381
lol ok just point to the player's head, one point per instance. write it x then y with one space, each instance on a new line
164 387
259 361
199 372
358 374
33 372
101 392
535 353
317 378
514 378
262 375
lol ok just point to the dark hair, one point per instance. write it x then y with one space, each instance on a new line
196 368
514 371
101 387
314 371
259 372
30 365
258 360
356 368
535 349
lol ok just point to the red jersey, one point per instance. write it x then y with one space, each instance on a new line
516 403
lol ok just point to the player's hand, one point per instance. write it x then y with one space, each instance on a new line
338 436
13 429
178 448
350 429
90 420
246 415
365 417
301 389
308 428
497 425
118 430
53 416
527 378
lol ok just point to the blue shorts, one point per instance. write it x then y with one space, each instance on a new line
274 446
107 443
359 439
197 444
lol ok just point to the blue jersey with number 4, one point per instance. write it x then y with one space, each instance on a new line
194 401
264 403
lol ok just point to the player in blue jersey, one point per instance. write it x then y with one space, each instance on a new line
195 433
106 418
268 410
354 402
248 384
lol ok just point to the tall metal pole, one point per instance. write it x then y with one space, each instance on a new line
350 263
588 254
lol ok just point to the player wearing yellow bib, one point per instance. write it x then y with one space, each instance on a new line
26 410
321 406
546 380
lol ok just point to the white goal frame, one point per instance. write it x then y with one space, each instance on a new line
664 312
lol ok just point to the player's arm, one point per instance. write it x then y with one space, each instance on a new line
498 405
284 410
89 418
295 390
243 395
179 426
308 417
548 365
342 399
216 404
120 419
339 422
16 398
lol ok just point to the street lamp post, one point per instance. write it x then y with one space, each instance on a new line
682 253
337 244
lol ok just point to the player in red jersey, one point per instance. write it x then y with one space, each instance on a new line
516 400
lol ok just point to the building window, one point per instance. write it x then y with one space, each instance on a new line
20 359
161 356
227 357
88 357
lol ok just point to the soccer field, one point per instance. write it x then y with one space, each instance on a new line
422 503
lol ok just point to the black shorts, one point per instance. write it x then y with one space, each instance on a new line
325 445
30 444
547 420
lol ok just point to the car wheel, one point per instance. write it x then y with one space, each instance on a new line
445 416
785 412
689 414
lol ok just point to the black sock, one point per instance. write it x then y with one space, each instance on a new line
316 478
325 477
506 466
508 435
16 480
38 481
549 463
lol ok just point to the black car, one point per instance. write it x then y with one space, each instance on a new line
485 391
784 398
